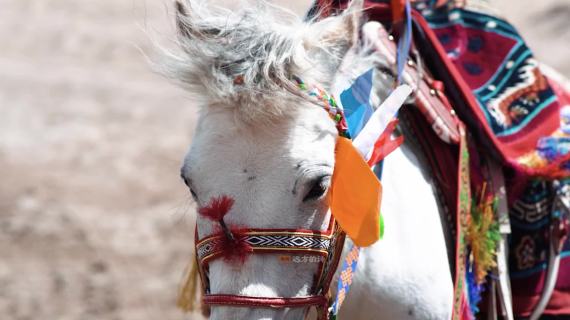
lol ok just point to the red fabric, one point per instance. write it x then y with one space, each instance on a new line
512 146
527 293
397 10
217 208
236 250
385 145
559 304
495 50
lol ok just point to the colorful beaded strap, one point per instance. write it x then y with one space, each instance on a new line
328 102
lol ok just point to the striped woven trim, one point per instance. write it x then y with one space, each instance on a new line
268 241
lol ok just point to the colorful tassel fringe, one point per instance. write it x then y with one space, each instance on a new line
483 235
474 291
482 239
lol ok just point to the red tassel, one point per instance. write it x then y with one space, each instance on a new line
236 249
217 208
233 244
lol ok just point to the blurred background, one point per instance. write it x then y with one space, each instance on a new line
94 220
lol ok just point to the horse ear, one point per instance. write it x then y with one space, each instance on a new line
186 26
342 29
350 23
181 17
332 37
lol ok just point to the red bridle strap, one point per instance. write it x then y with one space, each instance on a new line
265 302
326 244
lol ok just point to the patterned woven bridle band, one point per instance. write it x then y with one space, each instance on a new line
327 246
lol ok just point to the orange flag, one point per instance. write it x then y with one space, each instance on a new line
355 195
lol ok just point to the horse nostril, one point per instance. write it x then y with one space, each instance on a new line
183 177
189 185
193 193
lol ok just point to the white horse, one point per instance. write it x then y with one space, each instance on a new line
261 142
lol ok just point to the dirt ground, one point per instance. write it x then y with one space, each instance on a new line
94 220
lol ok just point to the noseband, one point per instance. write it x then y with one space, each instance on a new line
325 245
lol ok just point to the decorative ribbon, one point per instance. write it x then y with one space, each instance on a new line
385 145
380 120
461 309
345 279
405 41
381 123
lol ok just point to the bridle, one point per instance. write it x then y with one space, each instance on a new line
327 245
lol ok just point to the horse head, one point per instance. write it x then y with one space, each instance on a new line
263 153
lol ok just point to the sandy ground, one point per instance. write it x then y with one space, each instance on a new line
94 221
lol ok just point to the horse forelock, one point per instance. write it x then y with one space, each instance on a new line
246 59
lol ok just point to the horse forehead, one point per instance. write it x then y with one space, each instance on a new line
290 141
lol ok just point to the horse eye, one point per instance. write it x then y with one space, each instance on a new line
319 187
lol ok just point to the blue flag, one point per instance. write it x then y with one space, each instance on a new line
356 103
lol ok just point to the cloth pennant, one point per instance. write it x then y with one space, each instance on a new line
355 195
356 102
379 121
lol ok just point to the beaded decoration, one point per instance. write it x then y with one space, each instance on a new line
328 102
